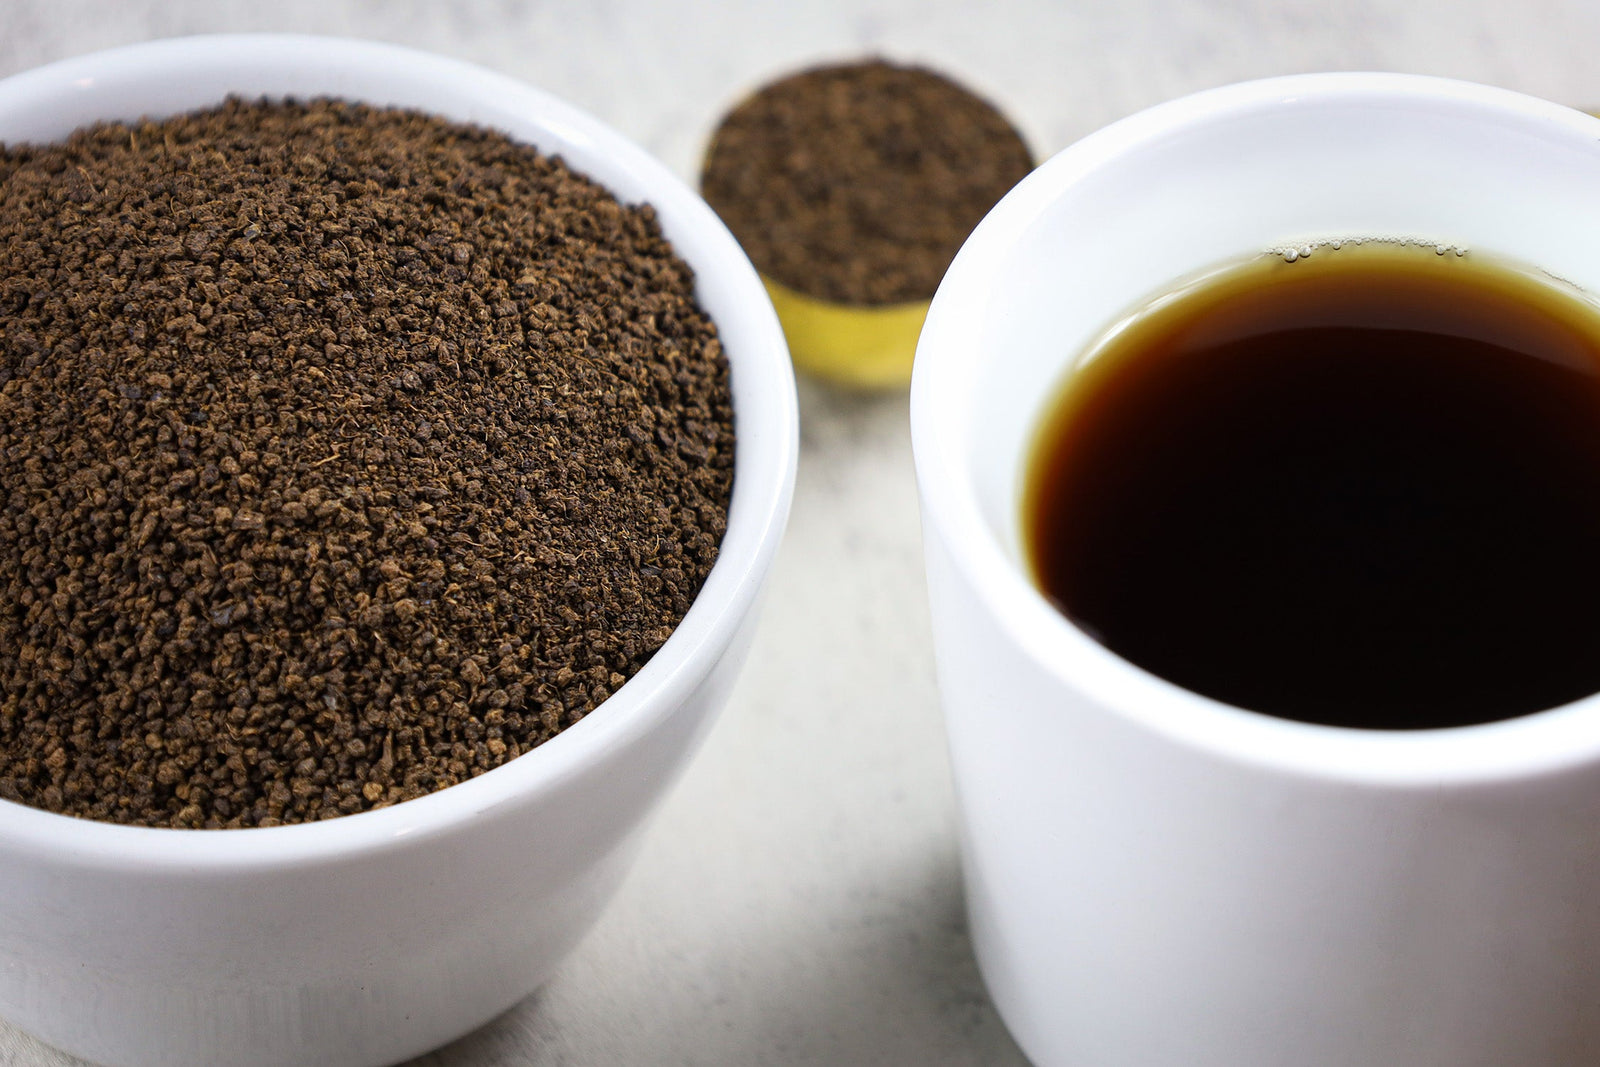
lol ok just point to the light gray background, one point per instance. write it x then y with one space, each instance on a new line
798 900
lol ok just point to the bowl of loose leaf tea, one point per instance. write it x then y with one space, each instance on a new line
392 458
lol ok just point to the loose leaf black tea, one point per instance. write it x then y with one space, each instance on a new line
1361 488
346 453
857 183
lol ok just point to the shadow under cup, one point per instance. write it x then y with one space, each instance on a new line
1157 878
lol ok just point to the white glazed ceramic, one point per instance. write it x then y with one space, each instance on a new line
368 939
1155 879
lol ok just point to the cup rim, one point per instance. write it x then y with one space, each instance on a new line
764 399
944 378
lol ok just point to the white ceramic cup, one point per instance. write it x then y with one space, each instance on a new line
1155 879
371 938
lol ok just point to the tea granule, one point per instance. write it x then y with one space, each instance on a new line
857 183
347 453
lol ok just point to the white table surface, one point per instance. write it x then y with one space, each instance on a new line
799 900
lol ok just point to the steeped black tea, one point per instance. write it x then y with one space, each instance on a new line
1359 488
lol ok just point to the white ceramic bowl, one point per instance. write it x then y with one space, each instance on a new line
374 937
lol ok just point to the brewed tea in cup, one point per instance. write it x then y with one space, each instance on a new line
1265 585
1357 484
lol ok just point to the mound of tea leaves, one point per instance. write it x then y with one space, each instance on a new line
858 182
345 454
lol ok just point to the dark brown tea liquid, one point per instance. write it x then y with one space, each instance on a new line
1361 488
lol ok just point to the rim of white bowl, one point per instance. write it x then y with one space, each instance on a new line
944 381
47 102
